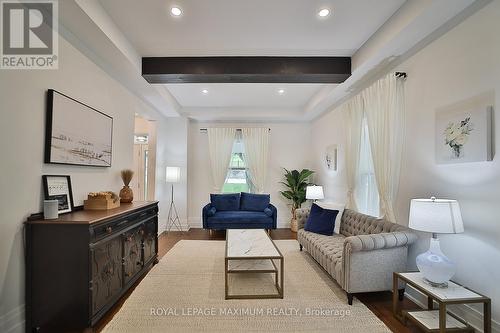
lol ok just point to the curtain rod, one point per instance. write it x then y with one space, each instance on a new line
238 129
401 74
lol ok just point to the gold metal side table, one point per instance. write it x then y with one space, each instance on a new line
439 320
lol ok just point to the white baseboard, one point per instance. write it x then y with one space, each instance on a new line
13 321
464 311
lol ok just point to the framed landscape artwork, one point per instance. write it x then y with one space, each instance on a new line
464 136
76 133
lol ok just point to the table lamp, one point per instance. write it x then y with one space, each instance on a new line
438 216
173 175
314 192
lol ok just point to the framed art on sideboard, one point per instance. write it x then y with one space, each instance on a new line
58 188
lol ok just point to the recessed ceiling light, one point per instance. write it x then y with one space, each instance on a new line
281 91
204 91
176 11
324 12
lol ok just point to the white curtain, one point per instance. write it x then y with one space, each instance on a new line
220 145
256 141
353 110
385 114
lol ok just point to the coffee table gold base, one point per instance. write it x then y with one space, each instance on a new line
278 273
252 251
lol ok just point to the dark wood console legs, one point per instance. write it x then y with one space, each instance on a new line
349 298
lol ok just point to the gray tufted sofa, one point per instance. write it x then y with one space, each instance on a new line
363 256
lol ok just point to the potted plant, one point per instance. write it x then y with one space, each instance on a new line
296 183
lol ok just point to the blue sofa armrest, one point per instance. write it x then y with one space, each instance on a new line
275 215
204 214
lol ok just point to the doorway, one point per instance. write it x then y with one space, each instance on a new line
143 183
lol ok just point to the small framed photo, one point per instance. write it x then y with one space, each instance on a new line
59 188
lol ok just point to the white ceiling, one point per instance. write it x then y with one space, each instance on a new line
249 27
244 95
378 34
242 27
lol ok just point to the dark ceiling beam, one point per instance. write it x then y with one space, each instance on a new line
246 69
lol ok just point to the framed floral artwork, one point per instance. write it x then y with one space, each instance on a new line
331 156
464 136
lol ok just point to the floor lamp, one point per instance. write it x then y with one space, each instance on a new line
173 175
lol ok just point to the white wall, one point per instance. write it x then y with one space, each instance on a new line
327 130
22 126
461 68
289 148
172 151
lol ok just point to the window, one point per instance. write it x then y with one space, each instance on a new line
237 176
367 197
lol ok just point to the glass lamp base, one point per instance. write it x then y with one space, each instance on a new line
436 268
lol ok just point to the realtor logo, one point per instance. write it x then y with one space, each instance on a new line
29 34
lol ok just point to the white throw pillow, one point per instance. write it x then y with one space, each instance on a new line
333 206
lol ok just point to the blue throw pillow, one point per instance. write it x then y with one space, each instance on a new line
254 202
224 202
268 211
321 221
211 211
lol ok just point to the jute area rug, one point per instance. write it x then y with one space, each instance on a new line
185 293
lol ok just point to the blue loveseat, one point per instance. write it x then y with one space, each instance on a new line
239 211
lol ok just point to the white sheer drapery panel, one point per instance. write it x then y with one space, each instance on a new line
385 114
220 145
353 110
256 142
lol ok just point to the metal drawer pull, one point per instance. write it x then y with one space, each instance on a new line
109 230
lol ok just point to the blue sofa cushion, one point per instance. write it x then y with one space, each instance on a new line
254 202
225 202
268 211
321 221
239 216
211 211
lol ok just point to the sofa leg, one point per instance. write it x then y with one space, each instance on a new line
401 294
300 247
349 298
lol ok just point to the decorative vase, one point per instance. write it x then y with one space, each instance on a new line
457 151
126 194
294 225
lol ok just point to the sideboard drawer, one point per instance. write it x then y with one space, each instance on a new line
105 229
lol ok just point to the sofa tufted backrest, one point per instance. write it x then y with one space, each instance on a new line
354 224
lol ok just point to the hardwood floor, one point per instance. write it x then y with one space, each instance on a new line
379 303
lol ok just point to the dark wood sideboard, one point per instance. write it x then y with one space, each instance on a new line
79 265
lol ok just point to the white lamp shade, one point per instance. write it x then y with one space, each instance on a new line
314 192
439 216
173 174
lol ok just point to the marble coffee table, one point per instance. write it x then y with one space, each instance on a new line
252 252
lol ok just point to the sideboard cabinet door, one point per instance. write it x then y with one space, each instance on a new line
150 231
106 263
132 259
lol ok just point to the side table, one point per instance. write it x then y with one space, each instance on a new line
439 320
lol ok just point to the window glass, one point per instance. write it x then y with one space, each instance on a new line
367 198
237 175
